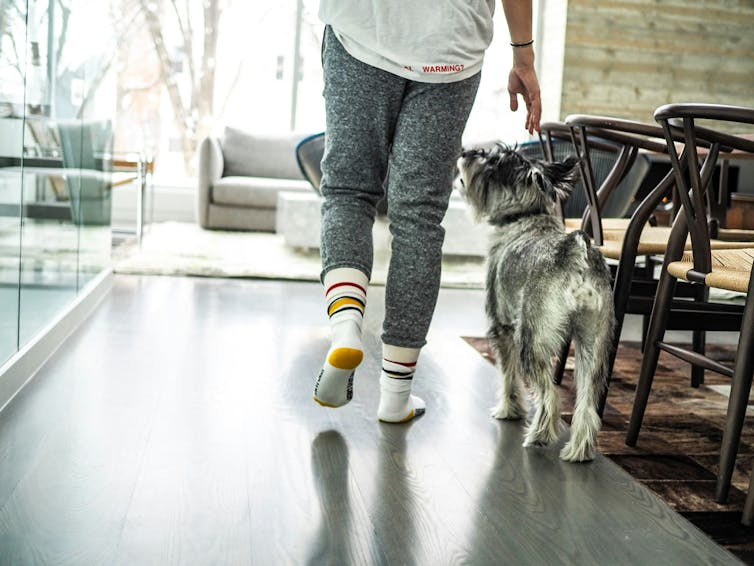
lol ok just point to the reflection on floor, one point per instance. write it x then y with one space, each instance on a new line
678 452
177 426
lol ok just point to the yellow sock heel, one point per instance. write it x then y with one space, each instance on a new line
345 358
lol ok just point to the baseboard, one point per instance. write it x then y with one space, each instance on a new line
21 368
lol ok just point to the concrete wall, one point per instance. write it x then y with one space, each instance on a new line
627 57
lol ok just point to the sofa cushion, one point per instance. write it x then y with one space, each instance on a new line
258 192
251 155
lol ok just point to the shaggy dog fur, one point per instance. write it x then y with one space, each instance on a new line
544 286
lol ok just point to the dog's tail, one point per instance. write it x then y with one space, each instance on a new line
574 251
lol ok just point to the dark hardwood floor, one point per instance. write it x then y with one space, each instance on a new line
177 426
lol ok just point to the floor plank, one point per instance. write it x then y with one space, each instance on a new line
177 427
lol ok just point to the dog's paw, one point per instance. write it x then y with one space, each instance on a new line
534 442
577 452
539 441
508 412
544 436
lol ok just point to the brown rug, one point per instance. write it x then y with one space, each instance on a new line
679 443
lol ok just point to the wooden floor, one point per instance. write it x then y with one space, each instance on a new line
177 427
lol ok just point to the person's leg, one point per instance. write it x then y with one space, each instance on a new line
361 104
426 145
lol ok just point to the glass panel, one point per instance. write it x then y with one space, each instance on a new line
49 238
98 105
12 64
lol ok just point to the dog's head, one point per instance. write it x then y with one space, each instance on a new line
501 183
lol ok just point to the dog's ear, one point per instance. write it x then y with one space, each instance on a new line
561 176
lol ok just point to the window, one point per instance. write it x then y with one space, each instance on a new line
176 84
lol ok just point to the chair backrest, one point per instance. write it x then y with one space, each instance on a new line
693 164
630 137
555 144
309 152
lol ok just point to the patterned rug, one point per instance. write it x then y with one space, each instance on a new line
679 443
182 248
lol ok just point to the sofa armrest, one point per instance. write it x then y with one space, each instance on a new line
211 166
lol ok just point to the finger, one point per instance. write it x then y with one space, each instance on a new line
536 112
529 118
514 101
529 122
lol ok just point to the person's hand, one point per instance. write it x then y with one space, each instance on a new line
522 80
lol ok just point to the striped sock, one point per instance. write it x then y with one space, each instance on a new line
397 405
346 294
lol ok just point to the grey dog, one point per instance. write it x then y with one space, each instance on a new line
544 286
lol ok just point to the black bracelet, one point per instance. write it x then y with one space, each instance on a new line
522 44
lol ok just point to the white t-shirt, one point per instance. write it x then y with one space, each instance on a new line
434 41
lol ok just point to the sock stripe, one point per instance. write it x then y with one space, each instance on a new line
406 364
398 374
336 285
345 307
353 299
398 370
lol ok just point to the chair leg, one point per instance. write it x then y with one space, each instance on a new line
621 295
657 324
698 345
649 273
644 330
699 339
748 513
737 403
616 342
560 366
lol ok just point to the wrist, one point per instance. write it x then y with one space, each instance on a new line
523 57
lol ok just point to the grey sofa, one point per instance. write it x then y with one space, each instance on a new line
240 177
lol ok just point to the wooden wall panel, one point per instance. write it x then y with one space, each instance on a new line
627 57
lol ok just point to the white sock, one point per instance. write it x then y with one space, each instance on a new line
346 294
397 405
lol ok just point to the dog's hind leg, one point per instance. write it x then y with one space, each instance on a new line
593 345
536 363
544 428
512 402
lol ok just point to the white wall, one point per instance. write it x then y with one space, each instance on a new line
550 52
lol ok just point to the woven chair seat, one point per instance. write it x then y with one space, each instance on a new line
572 224
731 269
654 240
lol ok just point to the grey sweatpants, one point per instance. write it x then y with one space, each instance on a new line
375 118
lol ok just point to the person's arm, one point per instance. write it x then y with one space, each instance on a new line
523 78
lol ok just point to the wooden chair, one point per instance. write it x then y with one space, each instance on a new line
634 284
702 266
